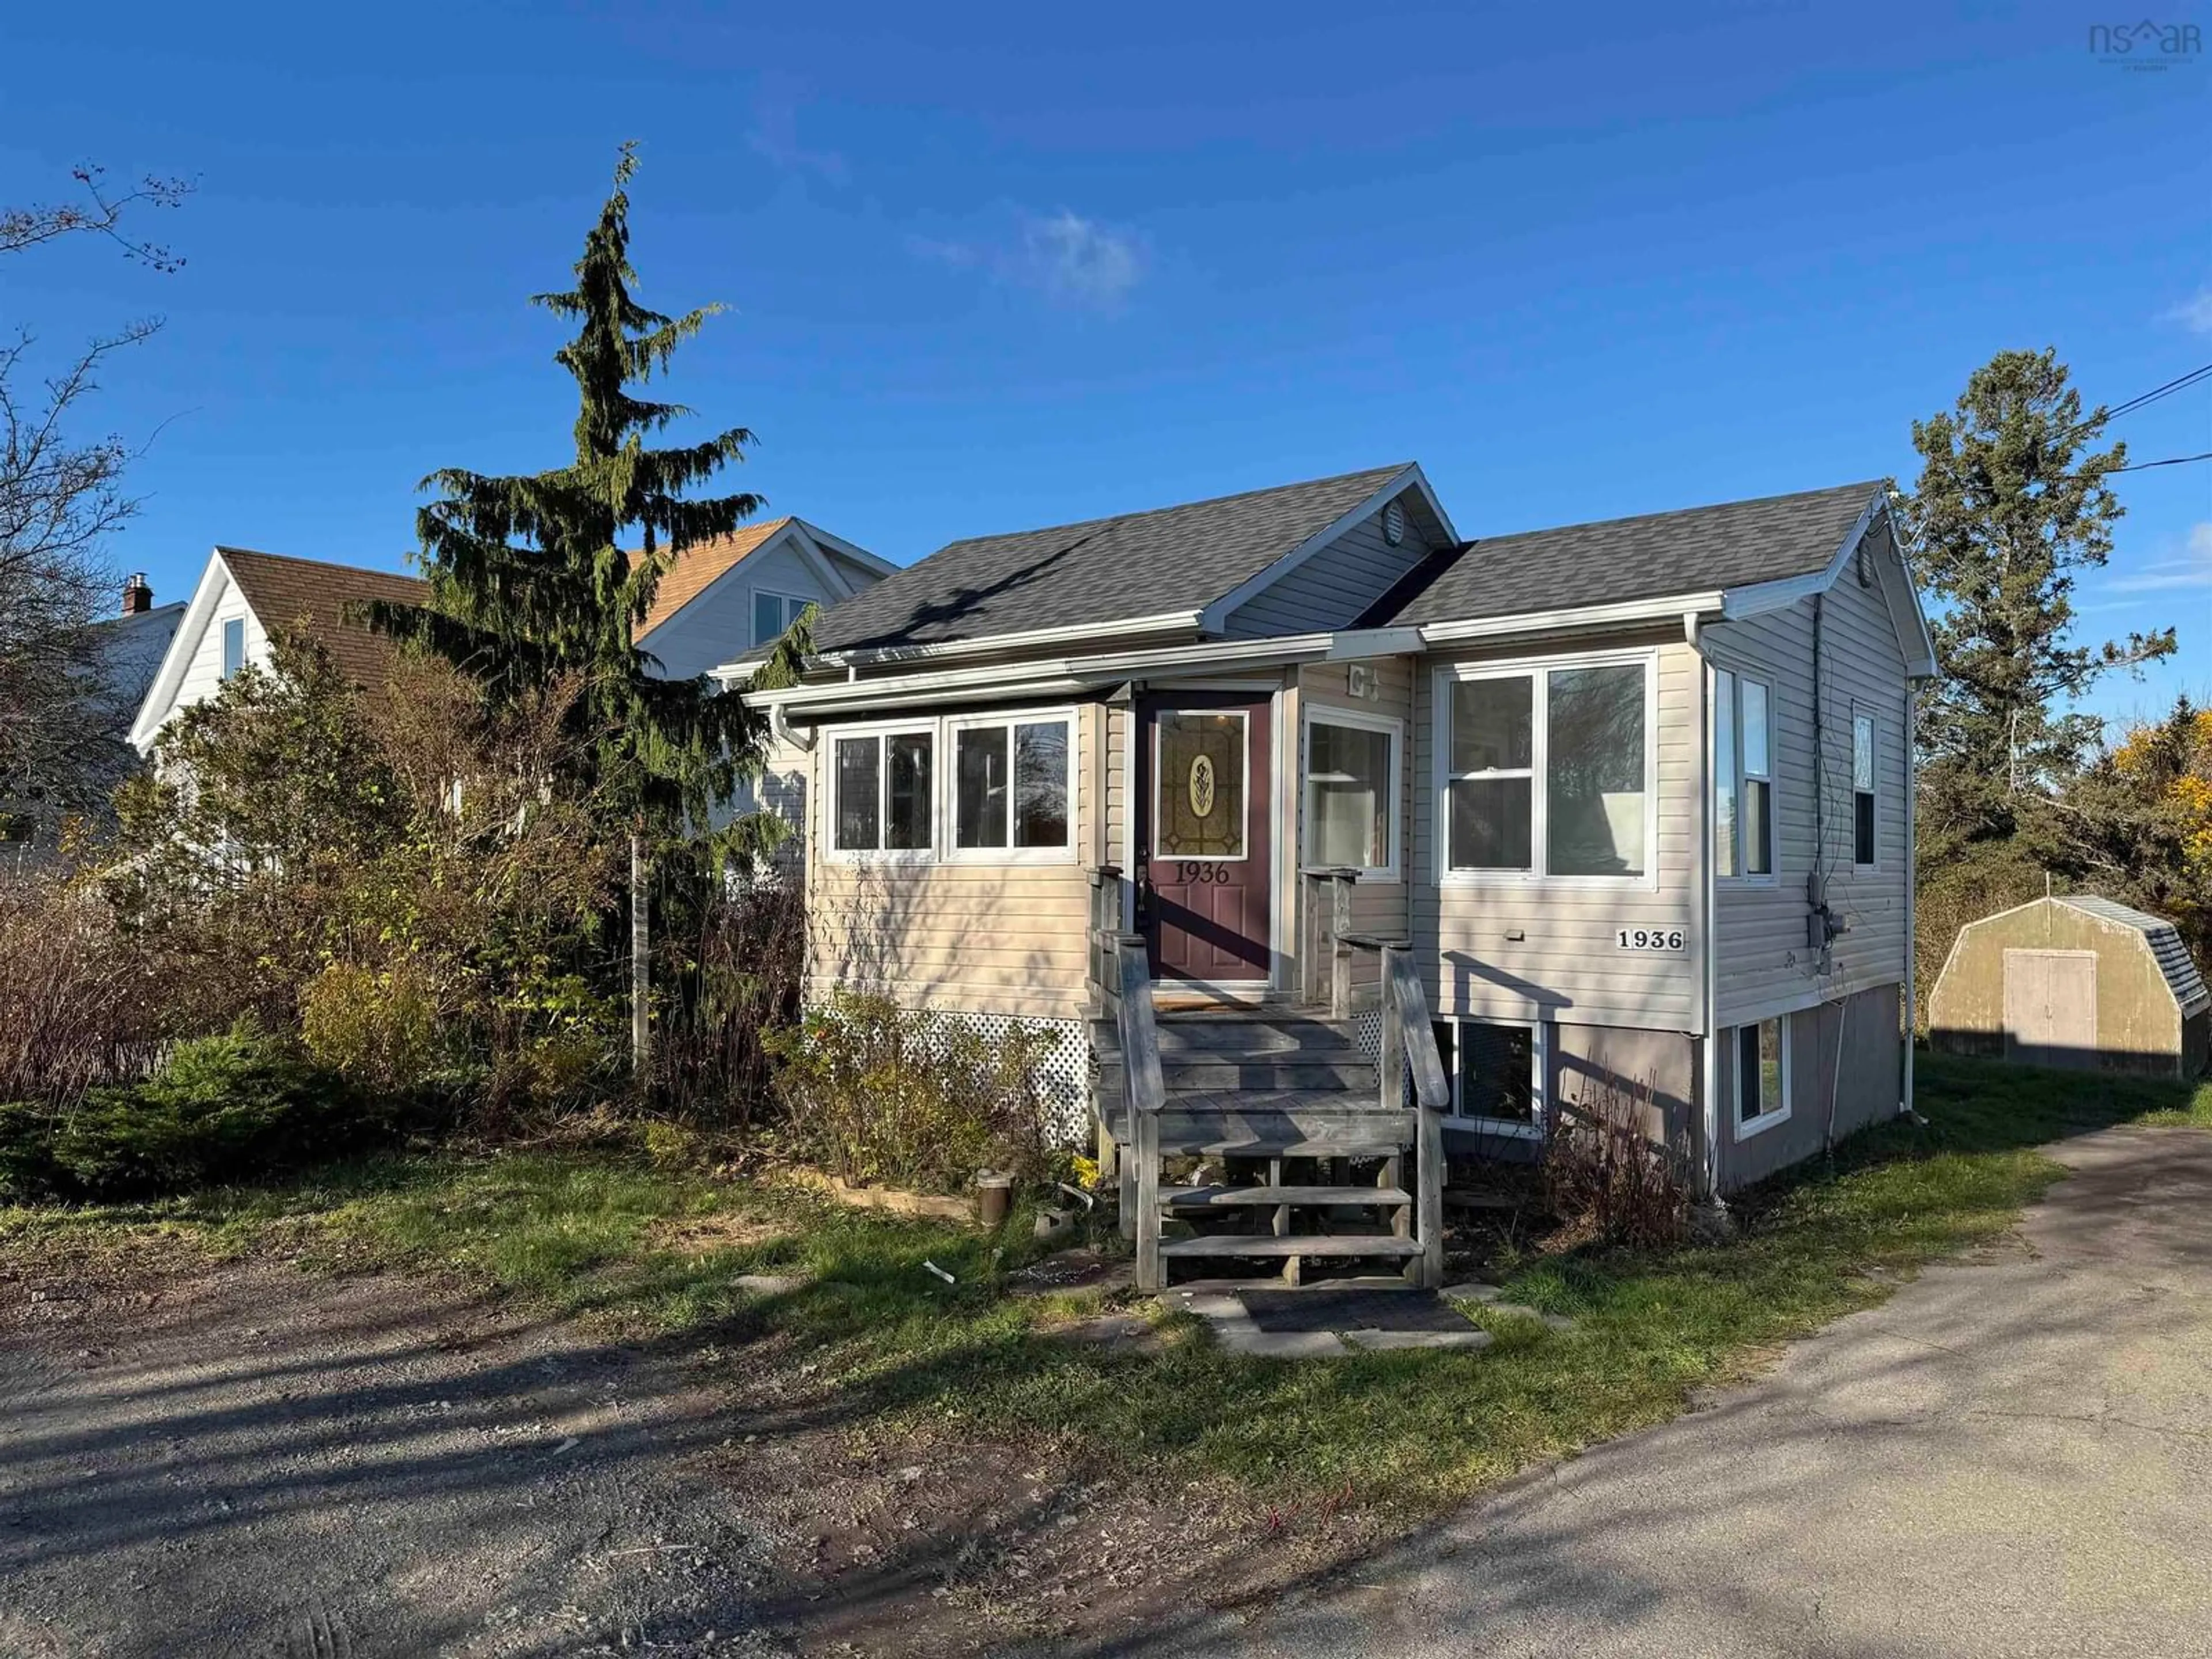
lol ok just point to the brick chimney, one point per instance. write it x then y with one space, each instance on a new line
137 598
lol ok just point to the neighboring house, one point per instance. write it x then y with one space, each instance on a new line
2075 980
750 585
130 647
1630 801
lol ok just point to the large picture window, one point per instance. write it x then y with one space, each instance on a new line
1743 775
1548 771
1351 792
882 797
1010 785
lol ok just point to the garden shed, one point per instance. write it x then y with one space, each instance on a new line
2077 981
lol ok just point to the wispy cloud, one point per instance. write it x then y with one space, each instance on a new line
774 136
1071 260
2192 569
2194 314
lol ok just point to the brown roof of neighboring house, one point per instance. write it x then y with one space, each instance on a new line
311 596
692 574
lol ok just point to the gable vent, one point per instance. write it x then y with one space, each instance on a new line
1394 523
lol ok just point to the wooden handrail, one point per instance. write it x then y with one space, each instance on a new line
1340 878
1147 1093
1409 1041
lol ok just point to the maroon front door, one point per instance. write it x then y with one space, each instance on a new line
1205 846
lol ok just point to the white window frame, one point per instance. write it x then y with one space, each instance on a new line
1540 1052
1537 671
947 782
1872 792
794 605
832 790
1329 713
224 667
1743 875
1758 1125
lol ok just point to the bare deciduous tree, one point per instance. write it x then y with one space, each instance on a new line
61 498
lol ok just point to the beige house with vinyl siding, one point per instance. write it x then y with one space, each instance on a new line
1621 808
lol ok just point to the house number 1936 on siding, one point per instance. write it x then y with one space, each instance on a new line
1659 941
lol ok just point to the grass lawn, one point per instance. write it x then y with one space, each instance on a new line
895 1351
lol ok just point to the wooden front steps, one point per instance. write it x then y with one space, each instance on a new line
1214 1245
1211 1197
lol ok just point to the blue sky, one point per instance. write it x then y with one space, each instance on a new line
991 268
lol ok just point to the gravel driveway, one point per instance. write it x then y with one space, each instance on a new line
2012 1457
244 1460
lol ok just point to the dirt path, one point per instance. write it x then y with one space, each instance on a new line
245 1458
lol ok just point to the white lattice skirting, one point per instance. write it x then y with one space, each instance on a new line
1064 1075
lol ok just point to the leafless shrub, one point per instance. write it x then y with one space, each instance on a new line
733 975
78 1006
1606 1173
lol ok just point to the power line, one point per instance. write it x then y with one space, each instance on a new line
2180 383
2175 460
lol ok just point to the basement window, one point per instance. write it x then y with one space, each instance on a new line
1762 1076
1497 1073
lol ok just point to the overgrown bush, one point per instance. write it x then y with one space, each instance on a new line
218 1108
909 1098
79 1005
733 959
377 1028
1607 1173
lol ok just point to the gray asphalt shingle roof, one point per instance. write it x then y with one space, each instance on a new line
1733 544
1107 570
2174 962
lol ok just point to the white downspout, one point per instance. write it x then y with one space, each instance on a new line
1911 885
1709 971
778 724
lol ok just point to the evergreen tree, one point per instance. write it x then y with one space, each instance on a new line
529 576
2010 506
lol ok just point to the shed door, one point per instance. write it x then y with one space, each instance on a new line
2051 1006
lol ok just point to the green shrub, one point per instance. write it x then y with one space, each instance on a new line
218 1108
911 1098
380 1029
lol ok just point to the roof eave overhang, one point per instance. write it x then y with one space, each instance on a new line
1588 618
1917 641
161 693
1216 616
1169 622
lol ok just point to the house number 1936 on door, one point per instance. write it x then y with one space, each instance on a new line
1191 873
1651 941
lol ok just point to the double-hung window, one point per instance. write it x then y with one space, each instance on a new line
1743 775
1548 771
1010 792
774 613
1351 792
883 798
1862 774
1762 1075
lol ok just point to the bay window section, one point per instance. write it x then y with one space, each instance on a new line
1010 791
884 793
1493 787
1548 772
1351 792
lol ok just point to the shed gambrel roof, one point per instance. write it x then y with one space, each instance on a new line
1730 545
2174 962
1097 573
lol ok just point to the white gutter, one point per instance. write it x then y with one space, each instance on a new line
1165 623
779 723
1667 609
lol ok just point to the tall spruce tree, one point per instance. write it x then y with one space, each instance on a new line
530 579
2010 506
